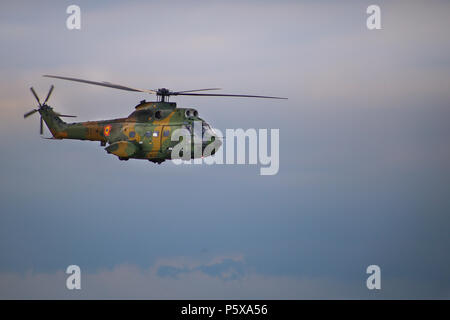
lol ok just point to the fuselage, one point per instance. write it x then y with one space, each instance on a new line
144 134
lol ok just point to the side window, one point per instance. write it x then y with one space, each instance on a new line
148 134
166 133
156 134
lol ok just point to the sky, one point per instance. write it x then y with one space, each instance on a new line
364 152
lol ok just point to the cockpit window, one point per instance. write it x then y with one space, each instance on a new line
206 128
207 131
188 127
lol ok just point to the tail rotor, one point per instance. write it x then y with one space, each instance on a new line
36 96
29 113
26 115
42 106
48 94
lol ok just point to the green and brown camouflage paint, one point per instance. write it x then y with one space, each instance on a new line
144 134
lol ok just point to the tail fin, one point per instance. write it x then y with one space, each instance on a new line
54 122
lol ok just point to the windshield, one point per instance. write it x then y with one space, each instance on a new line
207 131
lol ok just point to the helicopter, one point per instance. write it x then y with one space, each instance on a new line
145 134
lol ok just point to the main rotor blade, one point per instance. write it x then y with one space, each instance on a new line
49 93
103 84
35 95
29 113
41 129
228 95
178 92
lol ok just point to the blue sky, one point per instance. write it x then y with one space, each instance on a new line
364 154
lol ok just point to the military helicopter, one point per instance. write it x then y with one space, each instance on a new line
145 134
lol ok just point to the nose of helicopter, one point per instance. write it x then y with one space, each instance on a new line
214 138
210 147
210 137
218 141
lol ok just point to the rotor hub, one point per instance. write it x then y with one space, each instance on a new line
163 92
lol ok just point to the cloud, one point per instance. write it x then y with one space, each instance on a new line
226 269
220 278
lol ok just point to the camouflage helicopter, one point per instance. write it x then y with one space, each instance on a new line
145 134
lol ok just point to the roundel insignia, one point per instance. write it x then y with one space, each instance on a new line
107 130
